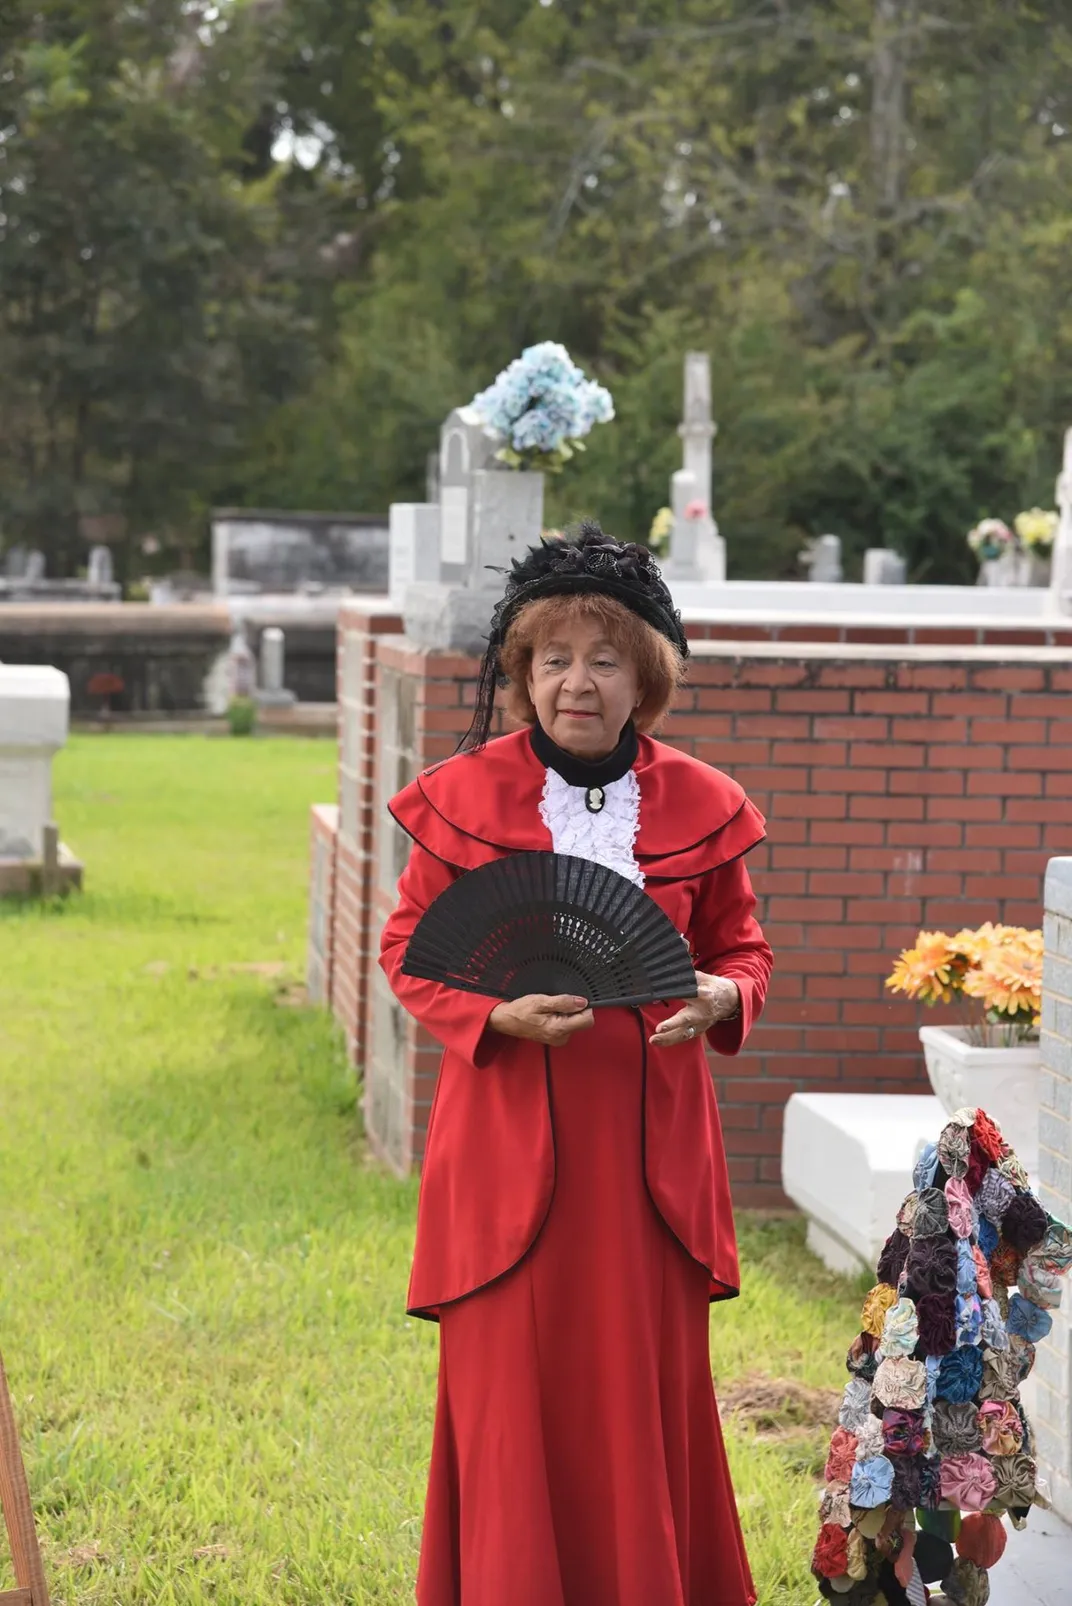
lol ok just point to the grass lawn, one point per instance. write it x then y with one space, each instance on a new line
202 1276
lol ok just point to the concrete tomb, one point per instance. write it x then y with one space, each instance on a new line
34 704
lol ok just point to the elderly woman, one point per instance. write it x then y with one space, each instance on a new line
575 1218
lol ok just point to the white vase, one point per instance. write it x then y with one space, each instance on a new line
1002 1081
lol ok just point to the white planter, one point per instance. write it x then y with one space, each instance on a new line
1002 1081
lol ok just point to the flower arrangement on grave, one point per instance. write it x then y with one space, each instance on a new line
998 967
1033 532
990 539
662 526
544 406
1036 530
933 1449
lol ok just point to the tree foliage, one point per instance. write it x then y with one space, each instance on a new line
316 225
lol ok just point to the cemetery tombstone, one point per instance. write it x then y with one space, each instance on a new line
883 567
1061 570
34 707
822 559
697 551
488 514
272 693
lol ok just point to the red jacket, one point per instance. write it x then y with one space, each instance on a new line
489 1169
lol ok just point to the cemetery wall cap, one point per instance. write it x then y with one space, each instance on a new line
590 561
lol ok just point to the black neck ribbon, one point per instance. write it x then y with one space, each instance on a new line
582 771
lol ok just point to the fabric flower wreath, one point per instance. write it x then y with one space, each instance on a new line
901 1384
903 1432
959 1208
1027 1320
900 1332
1024 1223
960 1375
968 1482
955 1428
1002 1430
871 1482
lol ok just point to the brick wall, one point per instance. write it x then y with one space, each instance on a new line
1053 1370
905 786
324 834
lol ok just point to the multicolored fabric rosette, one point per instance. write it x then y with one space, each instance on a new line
931 1424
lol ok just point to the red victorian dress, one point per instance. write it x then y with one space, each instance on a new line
575 1218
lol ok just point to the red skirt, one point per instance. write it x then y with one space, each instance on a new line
578 1457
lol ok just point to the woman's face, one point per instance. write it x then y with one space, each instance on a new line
584 689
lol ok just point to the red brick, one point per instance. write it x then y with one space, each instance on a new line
859 727
986 783
850 780
838 934
1008 730
825 806
766 779
809 633
943 637
890 635
859 676
724 632
754 672
876 1013
872 910
810 858
754 1091
981 756
985 809
710 672
1035 810
971 705
886 808
747 700
808 909
1025 860
928 783
914 882
1014 638
951 916
807 962
930 730
897 755
775 727
780 934
1055 756
739 752
813 702
898 703
738 1116
1009 677
948 835
981 860
998 836
847 883
886 858
817 753
844 1039
932 677
848 831
1003 886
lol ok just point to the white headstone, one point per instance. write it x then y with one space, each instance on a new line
883 567
822 558
487 514
272 690
101 569
1061 571
414 548
697 551
34 704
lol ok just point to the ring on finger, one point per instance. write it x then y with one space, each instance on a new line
690 1031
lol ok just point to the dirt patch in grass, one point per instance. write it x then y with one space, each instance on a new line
779 1407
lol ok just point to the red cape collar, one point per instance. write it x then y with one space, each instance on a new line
477 806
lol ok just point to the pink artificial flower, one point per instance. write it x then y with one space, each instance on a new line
696 509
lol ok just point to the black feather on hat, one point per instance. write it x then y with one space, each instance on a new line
589 561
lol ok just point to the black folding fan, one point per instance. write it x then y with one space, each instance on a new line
551 923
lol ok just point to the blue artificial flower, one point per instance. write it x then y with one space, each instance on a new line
926 1167
960 1374
934 1366
994 1334
988 1237
969 1318
966 1279
542 400
1027 1320
871 1482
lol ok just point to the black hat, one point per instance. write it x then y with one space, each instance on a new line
589 561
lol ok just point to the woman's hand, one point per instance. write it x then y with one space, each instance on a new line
717 998
542 1017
